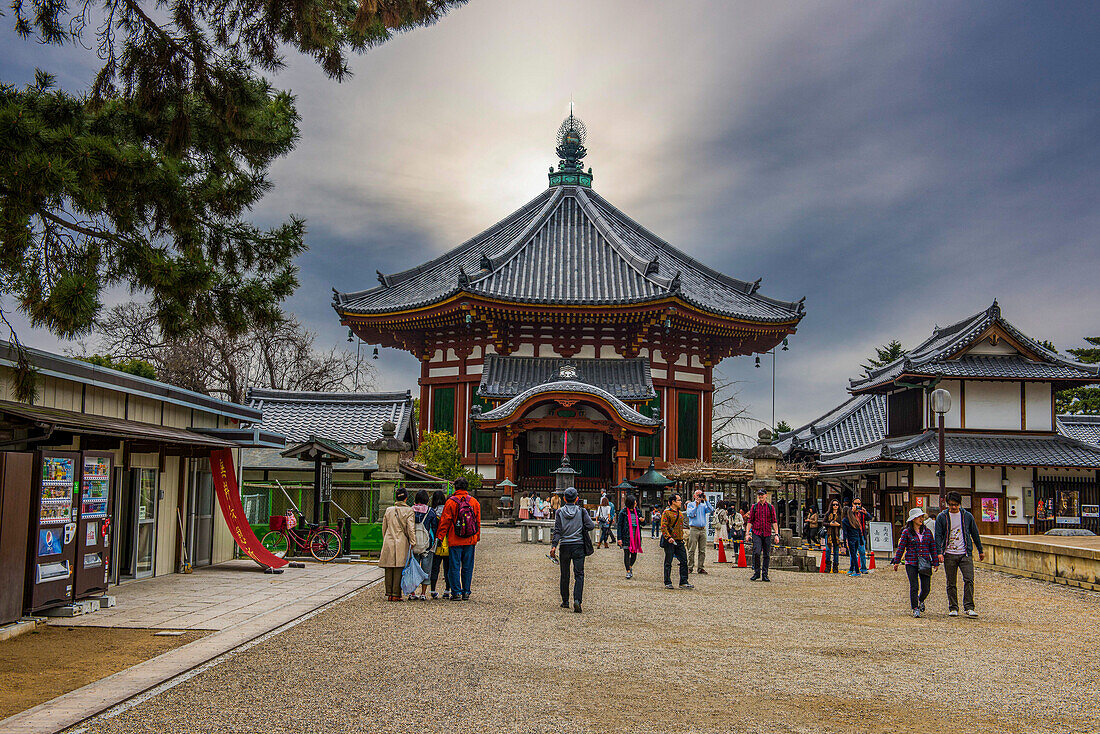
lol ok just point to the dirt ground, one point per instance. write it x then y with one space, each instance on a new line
804 654
54 659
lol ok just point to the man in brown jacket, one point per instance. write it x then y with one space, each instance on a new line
672 540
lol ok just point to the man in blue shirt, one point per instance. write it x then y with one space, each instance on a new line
697 512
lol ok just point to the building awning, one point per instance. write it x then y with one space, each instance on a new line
87 424
1055 451
567 392
321 449
250 437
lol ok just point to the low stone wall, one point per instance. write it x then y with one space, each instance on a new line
1044 558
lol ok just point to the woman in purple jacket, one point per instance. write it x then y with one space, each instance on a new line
919 546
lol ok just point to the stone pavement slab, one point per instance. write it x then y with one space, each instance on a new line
215 597
301 591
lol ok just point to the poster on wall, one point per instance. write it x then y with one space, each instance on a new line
1068 511
1090 510
991 510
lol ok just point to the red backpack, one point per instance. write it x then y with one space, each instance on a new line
466 520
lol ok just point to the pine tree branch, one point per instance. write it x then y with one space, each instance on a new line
106 236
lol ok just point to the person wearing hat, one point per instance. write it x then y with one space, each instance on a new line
762 519
567 542
918 544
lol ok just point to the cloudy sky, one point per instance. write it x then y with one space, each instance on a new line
899 164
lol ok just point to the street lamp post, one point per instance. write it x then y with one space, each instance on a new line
475 411
941 403
772 352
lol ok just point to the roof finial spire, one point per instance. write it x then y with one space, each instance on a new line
571 153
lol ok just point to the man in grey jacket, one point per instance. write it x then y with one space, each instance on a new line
956 536
567 541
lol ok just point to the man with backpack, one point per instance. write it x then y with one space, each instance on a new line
460 524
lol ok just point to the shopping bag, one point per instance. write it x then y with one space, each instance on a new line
412 576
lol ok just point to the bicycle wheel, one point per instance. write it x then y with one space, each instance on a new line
325 544
276 542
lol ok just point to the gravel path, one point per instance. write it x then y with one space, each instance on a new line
806 653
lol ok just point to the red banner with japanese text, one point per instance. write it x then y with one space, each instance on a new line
229 499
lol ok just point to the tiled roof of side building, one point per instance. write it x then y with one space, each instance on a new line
1084 428
859 421
931 357
506 377
569 246
347 418
973 449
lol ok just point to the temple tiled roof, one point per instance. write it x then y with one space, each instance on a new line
506 377
976 449
352 419
1081 427
509 407
932 357
568 246
859 421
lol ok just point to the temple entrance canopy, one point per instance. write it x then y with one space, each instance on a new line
565 412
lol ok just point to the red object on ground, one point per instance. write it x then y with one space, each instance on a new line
229 499
824 568
741 555
871 560
722 551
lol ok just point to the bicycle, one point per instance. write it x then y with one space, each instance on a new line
323 543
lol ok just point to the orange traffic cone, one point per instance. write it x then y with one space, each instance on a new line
870 560
722 552
741 555
824 568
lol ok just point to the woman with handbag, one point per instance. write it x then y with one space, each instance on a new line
721 520
918 545
630 534
832 537
398 537
810 523
440 556
603 515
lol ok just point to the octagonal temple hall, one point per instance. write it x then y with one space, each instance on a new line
568 314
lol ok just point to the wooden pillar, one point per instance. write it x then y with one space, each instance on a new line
509 455
425 398
462 418
622 451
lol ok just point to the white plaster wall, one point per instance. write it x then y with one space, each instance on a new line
657 374
442 371
924 475
985 347
1018 479
437 356
1037 399
993 405
587 351
987 479
607 351
691 377
475 369
524 350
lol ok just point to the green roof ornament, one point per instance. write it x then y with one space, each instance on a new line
571 153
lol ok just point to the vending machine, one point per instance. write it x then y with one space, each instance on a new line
53 532
93 537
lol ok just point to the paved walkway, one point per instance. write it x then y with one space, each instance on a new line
806 653
218 597
237 599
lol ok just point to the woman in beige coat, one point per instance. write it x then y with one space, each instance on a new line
398 537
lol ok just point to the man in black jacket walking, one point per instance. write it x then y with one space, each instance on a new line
956 536
567 541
